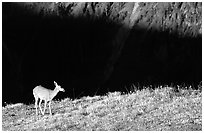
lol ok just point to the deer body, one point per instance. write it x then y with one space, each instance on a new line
45 94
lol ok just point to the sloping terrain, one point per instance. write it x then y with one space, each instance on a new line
151 109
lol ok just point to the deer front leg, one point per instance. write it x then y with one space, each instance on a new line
50 108
45 106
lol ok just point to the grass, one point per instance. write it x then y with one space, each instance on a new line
143 110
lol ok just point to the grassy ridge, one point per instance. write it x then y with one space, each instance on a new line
147 109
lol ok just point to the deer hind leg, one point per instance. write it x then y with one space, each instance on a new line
45 106
40 106
36 104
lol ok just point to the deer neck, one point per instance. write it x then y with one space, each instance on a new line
54 93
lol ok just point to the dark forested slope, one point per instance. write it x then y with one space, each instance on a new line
93 48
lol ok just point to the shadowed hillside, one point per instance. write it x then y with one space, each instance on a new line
95 48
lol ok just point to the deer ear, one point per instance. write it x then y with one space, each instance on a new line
55 83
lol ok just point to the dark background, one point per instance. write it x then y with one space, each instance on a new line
75 51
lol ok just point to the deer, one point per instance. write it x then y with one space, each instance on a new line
45 94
